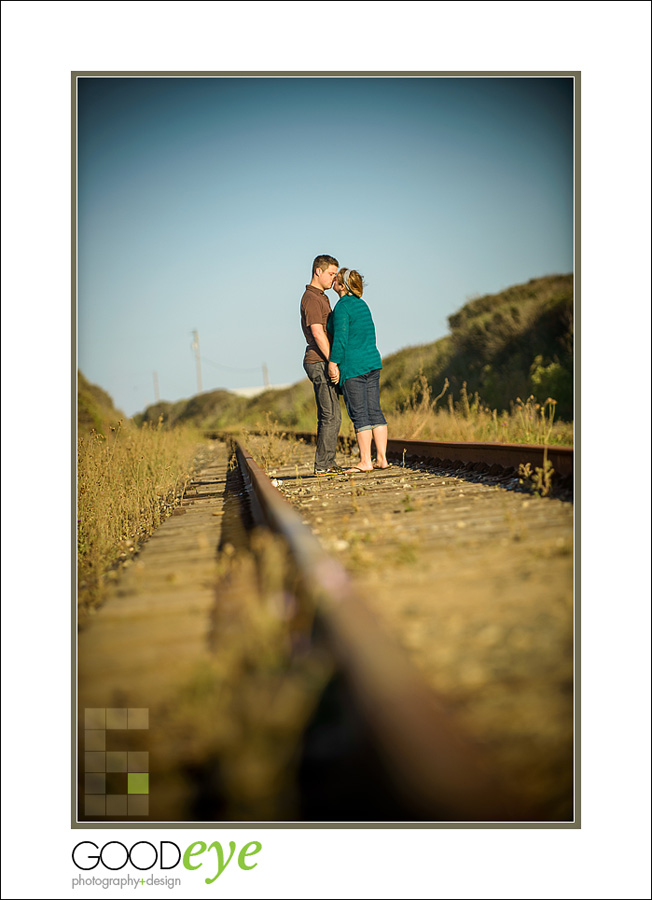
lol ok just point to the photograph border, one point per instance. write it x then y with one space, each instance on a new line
141 825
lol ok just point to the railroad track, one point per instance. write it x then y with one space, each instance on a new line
371 732
498 461
481 569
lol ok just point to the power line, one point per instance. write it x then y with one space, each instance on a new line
231 368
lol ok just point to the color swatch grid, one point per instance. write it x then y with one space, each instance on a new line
116 782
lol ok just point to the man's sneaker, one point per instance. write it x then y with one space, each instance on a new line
333 470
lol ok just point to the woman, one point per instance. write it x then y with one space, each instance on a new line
355 365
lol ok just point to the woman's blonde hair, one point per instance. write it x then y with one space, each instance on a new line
351 280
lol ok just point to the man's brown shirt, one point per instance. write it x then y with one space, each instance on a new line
315 310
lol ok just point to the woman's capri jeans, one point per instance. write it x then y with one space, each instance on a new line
362 398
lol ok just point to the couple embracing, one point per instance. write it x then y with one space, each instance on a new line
341 356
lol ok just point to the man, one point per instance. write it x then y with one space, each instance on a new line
315 310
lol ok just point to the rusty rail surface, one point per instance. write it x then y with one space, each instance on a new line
433 766
506 455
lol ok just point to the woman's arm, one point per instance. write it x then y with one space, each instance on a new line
340 333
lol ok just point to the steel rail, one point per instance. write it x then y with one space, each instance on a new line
431 763
506 455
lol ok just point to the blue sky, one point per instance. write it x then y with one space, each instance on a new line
202 202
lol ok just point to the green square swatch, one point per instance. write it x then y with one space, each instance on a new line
138 783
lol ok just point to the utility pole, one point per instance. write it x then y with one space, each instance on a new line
156 393
265 375
195 347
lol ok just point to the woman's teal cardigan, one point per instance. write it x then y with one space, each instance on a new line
353 338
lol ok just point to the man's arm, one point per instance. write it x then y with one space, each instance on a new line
321 339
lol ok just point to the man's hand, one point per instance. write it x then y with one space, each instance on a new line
334 372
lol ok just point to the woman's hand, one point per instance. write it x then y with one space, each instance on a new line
334 372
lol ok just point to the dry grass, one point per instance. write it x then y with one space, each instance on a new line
127 484
438 418
469 419
275 446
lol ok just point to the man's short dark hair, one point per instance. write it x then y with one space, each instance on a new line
323 262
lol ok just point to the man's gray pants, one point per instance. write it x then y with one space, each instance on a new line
329 416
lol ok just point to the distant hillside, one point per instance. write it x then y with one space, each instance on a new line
95 408
290 407
507 345
503 346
